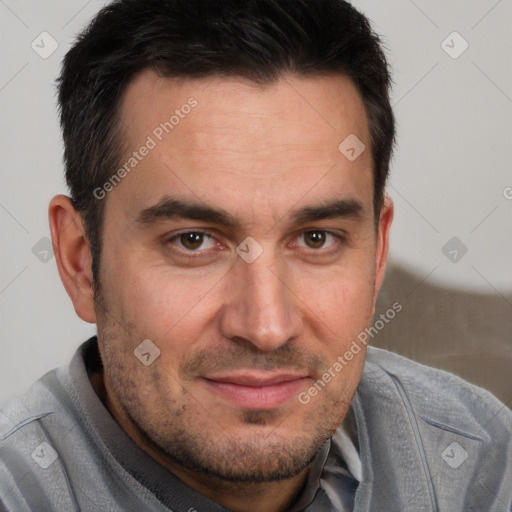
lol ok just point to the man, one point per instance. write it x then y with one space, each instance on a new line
227 232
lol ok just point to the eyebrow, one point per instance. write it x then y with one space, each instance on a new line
171 208
339 208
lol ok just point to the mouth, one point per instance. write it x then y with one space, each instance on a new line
253 390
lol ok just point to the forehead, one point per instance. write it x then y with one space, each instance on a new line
264 143
326 102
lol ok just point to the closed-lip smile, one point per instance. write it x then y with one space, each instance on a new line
257 390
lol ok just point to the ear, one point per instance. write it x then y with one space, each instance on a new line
73 256
381 256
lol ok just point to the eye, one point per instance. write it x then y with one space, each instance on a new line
193 241
317 239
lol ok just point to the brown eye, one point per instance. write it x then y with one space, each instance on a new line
193 240
315 239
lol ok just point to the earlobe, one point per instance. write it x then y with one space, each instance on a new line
73 256
385 221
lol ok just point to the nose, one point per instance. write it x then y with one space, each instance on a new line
261 307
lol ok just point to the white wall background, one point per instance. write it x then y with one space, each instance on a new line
451 177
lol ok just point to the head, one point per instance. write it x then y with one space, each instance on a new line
214 212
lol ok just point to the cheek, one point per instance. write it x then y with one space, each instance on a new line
342 299
352 298
160 304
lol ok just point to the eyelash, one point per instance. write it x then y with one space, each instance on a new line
340 239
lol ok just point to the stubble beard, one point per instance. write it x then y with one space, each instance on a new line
184 436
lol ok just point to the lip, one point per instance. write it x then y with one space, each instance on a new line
257 390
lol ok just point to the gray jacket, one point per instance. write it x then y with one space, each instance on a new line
427 440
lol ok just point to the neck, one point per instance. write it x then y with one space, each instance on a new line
243 496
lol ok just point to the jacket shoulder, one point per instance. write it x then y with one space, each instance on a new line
29 458
439 397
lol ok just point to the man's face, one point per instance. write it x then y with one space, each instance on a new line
241 334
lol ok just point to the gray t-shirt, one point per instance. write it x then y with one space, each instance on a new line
61 450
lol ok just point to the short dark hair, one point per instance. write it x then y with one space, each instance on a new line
260 40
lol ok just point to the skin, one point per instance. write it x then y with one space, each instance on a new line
260 154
